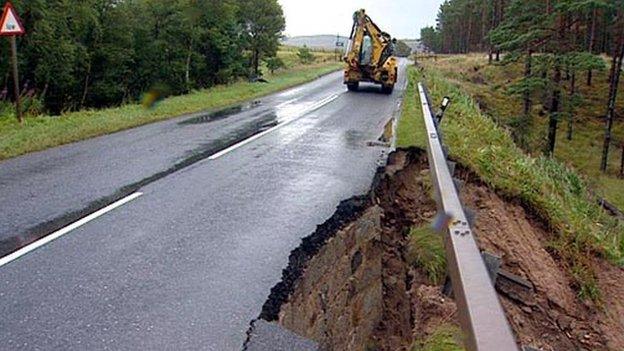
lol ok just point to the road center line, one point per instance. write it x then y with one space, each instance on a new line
49 238
312 108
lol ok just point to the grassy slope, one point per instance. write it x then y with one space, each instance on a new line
554 191
487 83
39 133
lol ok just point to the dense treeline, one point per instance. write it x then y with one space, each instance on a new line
464 25
556 40
94 53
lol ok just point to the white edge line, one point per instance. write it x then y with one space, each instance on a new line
312 108
47 239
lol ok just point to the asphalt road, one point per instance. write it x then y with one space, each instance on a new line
188 264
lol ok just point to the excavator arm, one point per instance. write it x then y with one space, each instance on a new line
369 55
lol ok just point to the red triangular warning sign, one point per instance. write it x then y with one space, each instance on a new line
10 23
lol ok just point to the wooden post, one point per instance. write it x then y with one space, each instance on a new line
16 87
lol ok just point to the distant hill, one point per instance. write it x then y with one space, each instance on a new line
324 42
328 42
415 44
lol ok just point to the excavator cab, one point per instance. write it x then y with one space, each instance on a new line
370 55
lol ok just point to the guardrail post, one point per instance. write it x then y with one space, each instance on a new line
481 314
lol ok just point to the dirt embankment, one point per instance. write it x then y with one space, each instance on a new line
354 290
551 316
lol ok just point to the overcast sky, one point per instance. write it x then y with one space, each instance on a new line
401 18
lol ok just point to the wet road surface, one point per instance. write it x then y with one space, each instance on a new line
188 264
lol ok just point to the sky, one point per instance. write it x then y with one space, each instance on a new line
401 18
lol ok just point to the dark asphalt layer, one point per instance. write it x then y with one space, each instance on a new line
63 184
189 264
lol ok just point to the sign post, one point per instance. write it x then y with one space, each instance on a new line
11 26
339 44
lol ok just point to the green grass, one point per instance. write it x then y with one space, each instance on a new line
487 84
290 58
444 338
410 131
39 133
426 251
554 191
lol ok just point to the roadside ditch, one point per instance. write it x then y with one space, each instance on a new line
362 280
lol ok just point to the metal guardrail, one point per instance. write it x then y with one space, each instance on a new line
481 314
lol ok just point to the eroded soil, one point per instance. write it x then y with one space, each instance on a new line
356 291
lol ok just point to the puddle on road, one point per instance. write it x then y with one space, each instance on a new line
282 112
355 139
221 114
16 242
266 121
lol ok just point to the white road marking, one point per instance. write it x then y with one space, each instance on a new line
288 102
47 239
312 108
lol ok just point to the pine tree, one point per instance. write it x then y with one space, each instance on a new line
550 29
616 71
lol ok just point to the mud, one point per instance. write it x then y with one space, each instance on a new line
355 290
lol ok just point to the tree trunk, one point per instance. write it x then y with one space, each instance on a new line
484 16
85 89
469 33
605 27
554 108
614 60
256 62
44 92
592 40
590 75
622 162
493 25
501 16
458 47
613 90
528 68
187 71
571 104
545 93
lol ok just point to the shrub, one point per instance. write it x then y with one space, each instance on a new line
274 63
305 55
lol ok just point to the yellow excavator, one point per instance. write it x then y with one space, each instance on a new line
369 55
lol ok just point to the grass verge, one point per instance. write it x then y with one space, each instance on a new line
411 127
445 338
556 193
39 133
426 251
488 85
